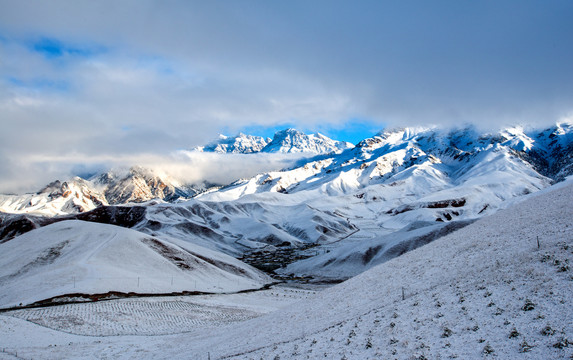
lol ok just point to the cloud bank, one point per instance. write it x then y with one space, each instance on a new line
185 167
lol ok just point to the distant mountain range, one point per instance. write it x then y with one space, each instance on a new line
136 185
435 155
284 141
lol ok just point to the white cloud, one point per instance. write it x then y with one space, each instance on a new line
186 167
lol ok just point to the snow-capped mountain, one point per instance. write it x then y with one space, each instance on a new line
138 185
550 151
135 185
284 141
240 144
57 198
438 158
294 141
402 187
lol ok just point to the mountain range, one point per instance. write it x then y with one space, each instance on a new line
498 288
284 141
76 195
334 214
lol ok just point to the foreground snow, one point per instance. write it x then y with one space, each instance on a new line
485 290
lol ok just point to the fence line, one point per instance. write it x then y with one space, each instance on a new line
143 281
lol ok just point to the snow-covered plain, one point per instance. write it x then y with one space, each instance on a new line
486 290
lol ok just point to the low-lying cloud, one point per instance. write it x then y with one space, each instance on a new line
185 167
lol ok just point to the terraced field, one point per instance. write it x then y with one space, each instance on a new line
134 317
158 316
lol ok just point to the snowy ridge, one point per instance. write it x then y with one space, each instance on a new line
57 198
239 227
138 185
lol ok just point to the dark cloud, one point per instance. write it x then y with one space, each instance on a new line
122 78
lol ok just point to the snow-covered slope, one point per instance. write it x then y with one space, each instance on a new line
243 226
359 254
485 290
76 257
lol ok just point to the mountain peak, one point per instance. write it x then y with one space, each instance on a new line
294 141
239 144
287 140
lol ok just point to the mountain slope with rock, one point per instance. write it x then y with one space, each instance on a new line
115 187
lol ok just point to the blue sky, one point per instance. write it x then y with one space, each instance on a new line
95 80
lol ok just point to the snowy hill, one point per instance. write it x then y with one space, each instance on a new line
75 257
236 228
